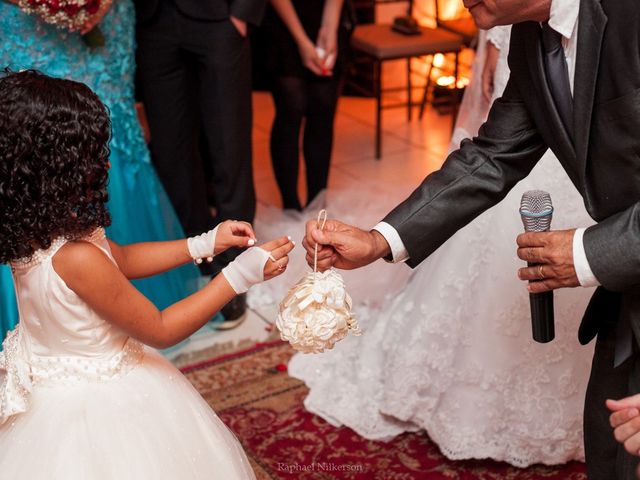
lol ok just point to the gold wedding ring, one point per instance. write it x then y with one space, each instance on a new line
540 272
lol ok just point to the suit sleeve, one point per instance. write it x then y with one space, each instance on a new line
251 11
472 179
612 248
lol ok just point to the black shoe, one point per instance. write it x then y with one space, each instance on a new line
234 312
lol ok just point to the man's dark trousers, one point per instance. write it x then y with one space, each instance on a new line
195 79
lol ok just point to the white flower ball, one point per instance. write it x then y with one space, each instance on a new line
316 313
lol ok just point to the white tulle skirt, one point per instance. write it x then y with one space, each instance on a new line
148 424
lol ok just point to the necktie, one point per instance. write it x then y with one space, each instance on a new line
557 74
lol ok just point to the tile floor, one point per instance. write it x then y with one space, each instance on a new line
410 151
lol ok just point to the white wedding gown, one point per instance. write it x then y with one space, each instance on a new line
79 400
453 354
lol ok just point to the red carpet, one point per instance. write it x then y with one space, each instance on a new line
263 406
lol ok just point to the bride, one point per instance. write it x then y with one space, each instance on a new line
452 353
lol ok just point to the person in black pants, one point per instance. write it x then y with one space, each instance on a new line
194 73
308 51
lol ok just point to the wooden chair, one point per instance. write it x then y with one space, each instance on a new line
464 26
381 44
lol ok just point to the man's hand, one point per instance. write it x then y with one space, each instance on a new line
625 421
343 246
240 25
552 252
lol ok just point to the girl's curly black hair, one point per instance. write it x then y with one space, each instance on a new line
54 159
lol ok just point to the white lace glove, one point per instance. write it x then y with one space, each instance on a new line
203 246
247 269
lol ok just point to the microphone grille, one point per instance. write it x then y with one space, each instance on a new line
536 211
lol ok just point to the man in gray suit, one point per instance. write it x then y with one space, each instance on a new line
574 88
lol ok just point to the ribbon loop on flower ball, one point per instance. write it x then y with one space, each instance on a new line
316 312
322 215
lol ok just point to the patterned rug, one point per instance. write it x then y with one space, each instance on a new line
254 396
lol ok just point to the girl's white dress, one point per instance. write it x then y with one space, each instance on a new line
80 400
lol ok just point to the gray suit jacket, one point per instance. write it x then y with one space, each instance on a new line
602 161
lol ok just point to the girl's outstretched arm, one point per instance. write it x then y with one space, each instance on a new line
141 260
97 280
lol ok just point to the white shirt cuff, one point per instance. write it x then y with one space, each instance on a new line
398 250
580 262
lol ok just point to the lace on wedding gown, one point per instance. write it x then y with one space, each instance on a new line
453 354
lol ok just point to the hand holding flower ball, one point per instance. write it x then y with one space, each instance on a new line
316 313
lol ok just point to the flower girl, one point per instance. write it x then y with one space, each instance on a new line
81 397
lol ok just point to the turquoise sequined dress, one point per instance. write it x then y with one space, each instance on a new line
140 209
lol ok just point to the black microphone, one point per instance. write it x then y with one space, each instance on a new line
536 211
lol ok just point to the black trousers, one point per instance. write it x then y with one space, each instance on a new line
606 459
314 100
195 81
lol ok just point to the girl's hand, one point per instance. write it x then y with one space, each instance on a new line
233 233
328 41
258 264
279 250
97 18
310 57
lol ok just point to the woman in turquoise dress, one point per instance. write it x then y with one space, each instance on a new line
140 208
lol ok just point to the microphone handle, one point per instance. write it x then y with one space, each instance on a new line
542 317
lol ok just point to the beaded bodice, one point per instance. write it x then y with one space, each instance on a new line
59 339
53 320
